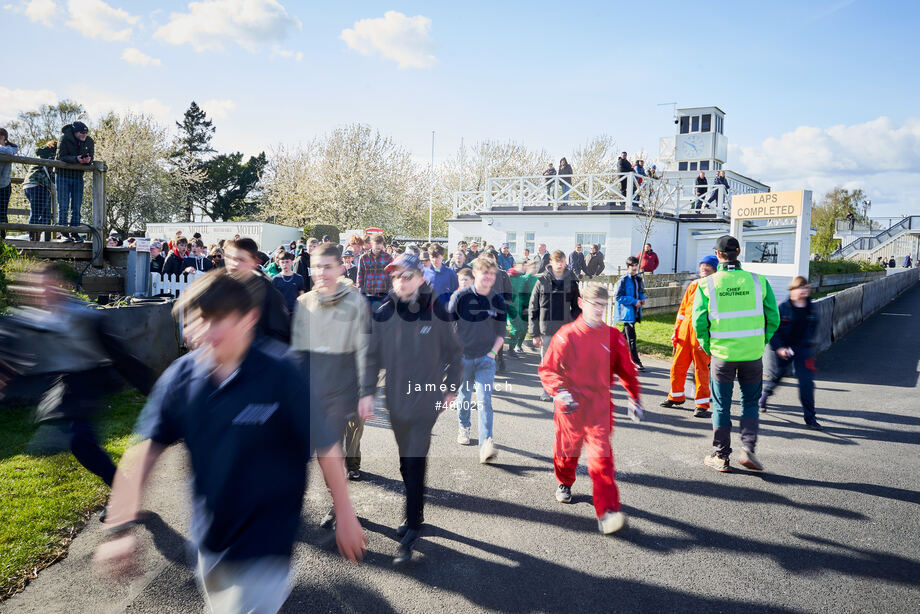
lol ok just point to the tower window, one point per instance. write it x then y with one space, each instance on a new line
681 166
695 123
704 165
685 124
706 124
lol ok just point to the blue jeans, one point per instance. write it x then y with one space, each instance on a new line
804 370
722 375
40 202
69 195
478 374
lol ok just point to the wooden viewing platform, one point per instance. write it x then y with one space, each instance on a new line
94 230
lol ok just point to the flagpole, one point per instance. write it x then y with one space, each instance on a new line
431 188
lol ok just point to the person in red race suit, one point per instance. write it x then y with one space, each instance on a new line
578 370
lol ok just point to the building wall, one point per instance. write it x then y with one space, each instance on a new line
623 235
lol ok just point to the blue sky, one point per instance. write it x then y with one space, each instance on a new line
804 85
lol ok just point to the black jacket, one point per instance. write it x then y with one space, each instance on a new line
200 264
702 185
624 166
550 309
544 262
416 347
69 149
302 268
783 337
351 274
275 321
156 264
594 264
173 265
565 174
577 263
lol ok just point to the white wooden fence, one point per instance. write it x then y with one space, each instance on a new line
170 284
610 314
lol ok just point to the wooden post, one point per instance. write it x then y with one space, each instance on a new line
98 211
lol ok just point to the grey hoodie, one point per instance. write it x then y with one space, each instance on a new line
335 330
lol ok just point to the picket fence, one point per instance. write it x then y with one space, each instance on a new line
610 314
170 284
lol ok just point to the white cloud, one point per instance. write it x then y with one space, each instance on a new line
96 19
136 56
396 37
286 53
39 11
212 24
218 109
880 156
14 100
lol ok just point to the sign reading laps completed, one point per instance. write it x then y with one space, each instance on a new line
767 205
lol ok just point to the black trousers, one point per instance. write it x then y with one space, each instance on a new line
86 450
413 439
629 329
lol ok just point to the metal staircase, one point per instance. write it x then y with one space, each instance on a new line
864 245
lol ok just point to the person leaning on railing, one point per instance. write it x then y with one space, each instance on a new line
6 178
39 187
75 147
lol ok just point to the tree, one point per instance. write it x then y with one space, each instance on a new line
837 204
596 156
354 177
189 156
43 124
228 186
139 187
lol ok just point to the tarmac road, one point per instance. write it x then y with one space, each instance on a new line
833 525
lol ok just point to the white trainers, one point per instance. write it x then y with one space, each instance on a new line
487 451
463 436
611 522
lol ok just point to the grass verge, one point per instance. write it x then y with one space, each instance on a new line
47 499
653 335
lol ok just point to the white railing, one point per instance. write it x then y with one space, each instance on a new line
170 284
592 192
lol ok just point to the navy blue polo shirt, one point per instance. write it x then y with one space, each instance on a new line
249 441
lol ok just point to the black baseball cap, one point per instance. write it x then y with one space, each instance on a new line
727 244
80 127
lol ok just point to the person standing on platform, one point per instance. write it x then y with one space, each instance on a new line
793 344
580 367
687 349
734 316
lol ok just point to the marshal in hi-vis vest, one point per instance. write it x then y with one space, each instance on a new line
735 314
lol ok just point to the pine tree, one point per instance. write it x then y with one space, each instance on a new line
189 157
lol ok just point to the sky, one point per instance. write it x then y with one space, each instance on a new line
816 94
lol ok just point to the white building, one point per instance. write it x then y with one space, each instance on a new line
610 209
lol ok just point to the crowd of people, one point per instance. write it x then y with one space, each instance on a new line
283 370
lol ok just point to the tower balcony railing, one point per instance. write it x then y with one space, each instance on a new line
593 192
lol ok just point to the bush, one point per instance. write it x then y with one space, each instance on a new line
829 267
319 230
8 255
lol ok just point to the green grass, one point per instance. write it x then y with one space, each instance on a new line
653 335
47 499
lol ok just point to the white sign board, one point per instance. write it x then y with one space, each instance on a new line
142 244
794 204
